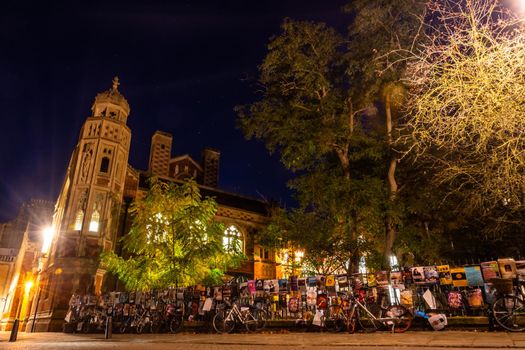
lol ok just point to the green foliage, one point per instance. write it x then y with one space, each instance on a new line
173 240
331 106
305 111
317 111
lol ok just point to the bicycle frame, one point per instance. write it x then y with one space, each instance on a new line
237 314
383 320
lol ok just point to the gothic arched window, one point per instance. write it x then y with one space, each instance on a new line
104 165
233 240
79 218
94 223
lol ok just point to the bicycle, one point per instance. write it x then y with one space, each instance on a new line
509 309
142 320
370 317
225 320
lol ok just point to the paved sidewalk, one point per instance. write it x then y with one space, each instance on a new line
444 339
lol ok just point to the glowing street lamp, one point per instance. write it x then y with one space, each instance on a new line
29 285
521 5
48 234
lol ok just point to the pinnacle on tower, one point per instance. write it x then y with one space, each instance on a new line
116 83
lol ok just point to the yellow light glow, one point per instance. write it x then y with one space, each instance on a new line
29 285
299 255
48 234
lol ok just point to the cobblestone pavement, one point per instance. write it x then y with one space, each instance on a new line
318 341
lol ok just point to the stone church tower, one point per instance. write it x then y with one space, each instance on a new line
86 215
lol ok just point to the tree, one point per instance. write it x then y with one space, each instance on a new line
465 108
173 240
319 117
379 29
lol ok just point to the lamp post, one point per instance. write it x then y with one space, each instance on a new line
22 299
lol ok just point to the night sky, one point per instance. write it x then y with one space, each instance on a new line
183 66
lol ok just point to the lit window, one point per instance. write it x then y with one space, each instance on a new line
95 219
232 240
79 218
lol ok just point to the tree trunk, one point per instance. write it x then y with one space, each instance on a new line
355 256
390 228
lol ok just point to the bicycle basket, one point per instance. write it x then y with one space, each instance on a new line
502 285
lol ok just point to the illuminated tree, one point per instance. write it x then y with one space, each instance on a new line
173 240
466 110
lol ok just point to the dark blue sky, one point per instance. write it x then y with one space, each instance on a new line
182 65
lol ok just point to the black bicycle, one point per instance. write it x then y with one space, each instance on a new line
509 309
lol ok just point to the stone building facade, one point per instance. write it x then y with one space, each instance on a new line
21 241
92 210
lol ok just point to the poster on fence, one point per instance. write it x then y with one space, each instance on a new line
251 287
382 278
474 277
490 270
396 279
490 293
272 286
507 267
330 281
371 280
430 299
321 280
301 283
418 275
283 285
407 276
406 298
520 267
207 304
226 292
459 278
455 299
475 298
342 281
294 284
322 301
312 281
311 297
445 278
431 275
217 293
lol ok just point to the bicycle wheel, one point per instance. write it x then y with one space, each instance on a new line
366 321
222 322
250 321
86 326
351 325
123 328
140 328
176 323
402 317
261 316
144 326
336 320
509 313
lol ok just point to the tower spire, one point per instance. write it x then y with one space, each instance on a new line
116 83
